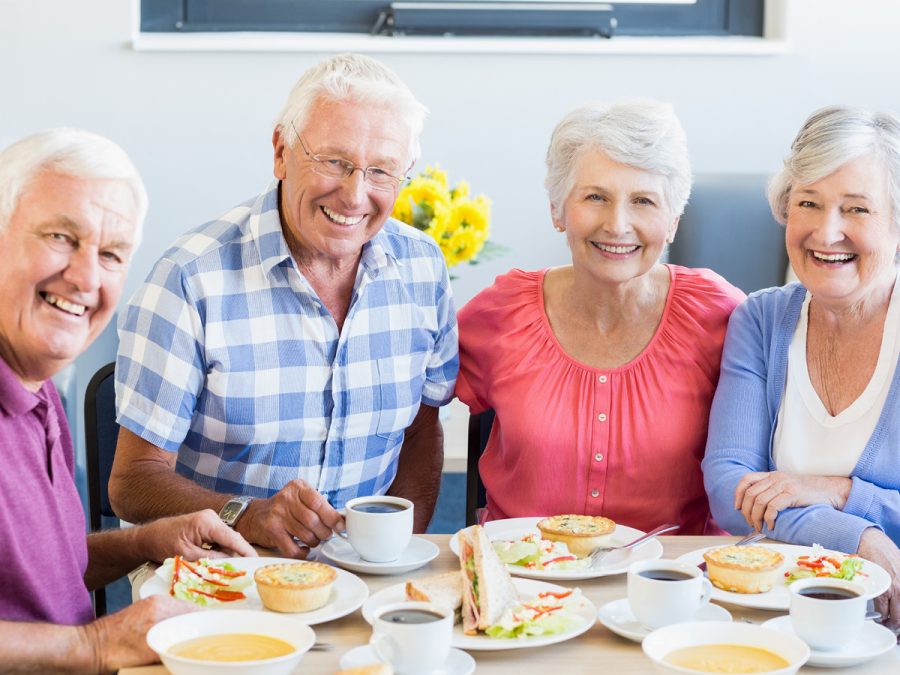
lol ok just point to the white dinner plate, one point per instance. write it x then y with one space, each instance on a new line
616 562
586 613
348 593
872 641
458 663
419 552
618 617
876 581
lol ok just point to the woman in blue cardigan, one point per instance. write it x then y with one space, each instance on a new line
804 433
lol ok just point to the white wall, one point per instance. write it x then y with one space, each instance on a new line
198 125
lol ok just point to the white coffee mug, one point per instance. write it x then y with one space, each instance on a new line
379 528
663 592
827 613
413 637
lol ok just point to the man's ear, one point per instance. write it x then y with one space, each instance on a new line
278 144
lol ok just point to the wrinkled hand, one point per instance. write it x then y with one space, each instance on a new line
876 546
184 535
298 510
120 640
762 495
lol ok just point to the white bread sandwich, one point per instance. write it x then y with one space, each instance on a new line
487 588
441 590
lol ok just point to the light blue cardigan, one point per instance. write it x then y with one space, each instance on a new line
742 426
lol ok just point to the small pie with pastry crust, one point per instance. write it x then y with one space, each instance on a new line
294 587
743 569
581 534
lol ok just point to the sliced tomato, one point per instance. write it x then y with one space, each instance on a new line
558 596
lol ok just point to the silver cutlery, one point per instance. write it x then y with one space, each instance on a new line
321 647
599 553
751 538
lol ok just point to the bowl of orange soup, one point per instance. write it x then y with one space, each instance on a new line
231 641
723 647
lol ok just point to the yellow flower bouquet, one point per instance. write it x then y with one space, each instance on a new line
459 223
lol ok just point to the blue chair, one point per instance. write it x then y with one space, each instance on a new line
101 435
479 432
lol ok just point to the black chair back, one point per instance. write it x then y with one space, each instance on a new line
479 432
101 434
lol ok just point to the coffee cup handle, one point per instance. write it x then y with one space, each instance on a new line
707 592
384 646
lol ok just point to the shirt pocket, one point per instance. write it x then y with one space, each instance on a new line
400 382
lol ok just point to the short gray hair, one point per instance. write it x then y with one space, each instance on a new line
352 77
70 152
645 135
830 138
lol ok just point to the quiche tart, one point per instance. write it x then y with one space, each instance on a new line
294 587
743 569
581 534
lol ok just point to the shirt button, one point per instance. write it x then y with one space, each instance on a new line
599 457
595 493
602 417
602 378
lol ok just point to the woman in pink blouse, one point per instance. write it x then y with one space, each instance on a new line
601 372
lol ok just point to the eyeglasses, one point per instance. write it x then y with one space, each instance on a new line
338 167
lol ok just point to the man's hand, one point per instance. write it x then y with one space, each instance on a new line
297 511
120 640
876 546
761 496
185 536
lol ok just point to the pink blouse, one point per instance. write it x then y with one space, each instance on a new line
626 442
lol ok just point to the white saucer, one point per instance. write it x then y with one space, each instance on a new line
618 617
872 641
458 663
419 552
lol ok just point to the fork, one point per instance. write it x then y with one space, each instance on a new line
751 538
599 553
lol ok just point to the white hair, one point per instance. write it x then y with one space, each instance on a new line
70 152
830 138
645 135
352 77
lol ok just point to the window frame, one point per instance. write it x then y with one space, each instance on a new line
716 18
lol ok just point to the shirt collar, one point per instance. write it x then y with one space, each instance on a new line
15 399
265 227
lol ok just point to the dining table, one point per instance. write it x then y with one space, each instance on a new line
596 650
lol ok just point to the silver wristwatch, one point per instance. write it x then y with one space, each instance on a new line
234 508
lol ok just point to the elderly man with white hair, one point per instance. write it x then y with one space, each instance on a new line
292 354
71 208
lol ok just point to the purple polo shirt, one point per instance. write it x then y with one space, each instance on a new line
43 548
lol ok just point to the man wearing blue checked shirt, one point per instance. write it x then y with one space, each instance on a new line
292 354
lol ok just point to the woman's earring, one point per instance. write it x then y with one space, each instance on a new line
559 228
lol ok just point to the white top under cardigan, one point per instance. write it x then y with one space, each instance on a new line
808 439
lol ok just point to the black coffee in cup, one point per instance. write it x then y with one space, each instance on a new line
411 616
379 507
665 575
827 593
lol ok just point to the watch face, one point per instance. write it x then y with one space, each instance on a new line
231 511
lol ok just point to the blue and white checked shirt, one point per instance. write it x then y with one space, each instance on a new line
228 357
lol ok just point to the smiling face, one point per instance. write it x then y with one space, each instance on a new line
65 255
841 238
615 218
327 220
